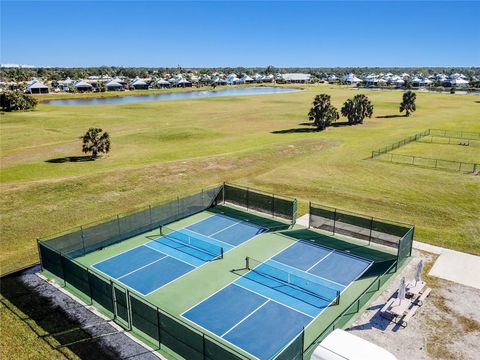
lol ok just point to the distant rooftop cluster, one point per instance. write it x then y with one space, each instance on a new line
96 82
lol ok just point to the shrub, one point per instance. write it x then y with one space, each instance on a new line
14 101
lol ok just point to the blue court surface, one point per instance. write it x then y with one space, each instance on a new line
153 265
266 308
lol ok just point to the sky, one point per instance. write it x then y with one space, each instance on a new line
220 34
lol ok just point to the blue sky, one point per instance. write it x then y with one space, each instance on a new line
196 34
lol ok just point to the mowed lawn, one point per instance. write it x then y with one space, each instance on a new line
164 149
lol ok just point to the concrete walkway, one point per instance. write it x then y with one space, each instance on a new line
451 265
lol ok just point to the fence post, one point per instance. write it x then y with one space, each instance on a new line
39 254
273 205
129 310
371 227
118 225
159 328
150 212
309 213
247 197
203 346
223 190
63 270
178 206
334 219
114 301
90 287
83 240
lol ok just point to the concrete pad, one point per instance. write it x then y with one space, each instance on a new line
303 220
458 267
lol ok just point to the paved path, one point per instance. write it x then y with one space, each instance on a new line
451 265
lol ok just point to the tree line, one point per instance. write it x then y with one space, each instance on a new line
324 114
60 73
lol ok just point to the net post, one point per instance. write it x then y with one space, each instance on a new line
337 298
247 263
221 253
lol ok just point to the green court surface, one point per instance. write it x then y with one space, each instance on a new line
204 279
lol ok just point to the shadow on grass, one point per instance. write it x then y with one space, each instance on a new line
70 159
311 129
389 116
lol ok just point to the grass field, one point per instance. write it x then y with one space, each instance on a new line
164 148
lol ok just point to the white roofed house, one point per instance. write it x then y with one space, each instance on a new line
399 82
258 78
332 77
416 81
83 86
37 87
458 82
114 85
371 80
232 79
246 79
296 78
351 79
162 83
139 84
268 78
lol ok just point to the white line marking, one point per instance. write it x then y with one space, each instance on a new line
324 257
141 267
216 335
173 257
228 227
275 301
245 318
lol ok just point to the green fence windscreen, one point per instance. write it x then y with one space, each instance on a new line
357 226
262 202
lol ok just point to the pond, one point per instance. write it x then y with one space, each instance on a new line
173 96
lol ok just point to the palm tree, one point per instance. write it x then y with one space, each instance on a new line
408 103
95 143
357 109
322 113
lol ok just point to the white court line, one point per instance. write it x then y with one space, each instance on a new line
228 227
216 335
245 318
141 267
275 301
321 259
231 282
315 275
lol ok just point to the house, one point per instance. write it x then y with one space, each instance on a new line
458 82
296 78
232 79
36 87
246 79
139 84
332 77
162 83
351 79
113 85
82 86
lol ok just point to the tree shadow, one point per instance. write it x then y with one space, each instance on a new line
70 159
389 116
310 129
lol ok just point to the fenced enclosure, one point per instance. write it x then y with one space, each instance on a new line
433 136
173 334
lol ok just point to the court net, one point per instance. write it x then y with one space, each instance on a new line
212 251
303 283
